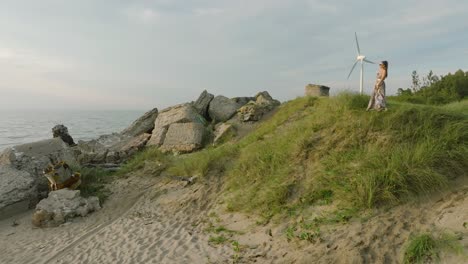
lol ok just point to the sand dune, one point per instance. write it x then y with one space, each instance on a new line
158 220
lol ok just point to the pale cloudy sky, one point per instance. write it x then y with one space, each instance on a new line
140 54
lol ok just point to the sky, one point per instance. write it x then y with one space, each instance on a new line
122 54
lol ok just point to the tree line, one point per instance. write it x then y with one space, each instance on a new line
433 89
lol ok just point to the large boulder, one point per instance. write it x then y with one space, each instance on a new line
243 100
95 151
114 148
184 137
22 170
130 147
255 110
222 108
223 132
265 98
184 113
61 131
202 103
17 191
62 205
144 124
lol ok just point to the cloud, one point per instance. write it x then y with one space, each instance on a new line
31 60
142 15
431 14
322 7
208 11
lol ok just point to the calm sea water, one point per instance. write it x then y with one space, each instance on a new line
17 127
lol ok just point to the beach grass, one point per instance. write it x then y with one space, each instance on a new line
148 155
426 248
94 182
330 150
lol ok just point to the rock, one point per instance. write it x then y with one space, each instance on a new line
158 136
114 148
31 159
251 112
117 147
17 191
265 98
135 144
223 132
317 90
184 113
96 151
112 157
243 100
35 157
202 103
222 108
144 124
62 205
254 110
184 137
61 131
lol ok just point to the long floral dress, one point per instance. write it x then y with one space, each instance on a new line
377 100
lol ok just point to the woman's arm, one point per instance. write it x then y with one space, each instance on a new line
382 76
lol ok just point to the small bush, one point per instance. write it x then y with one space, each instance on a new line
200 163
426 248
148 155
421 249
94 183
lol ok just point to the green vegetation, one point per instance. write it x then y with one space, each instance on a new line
458 107
204 161
220 229
329 152
334 148
435 90
307 232
150 155
94 183
216 240
426 248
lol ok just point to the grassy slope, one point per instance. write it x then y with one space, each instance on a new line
461 107
330 150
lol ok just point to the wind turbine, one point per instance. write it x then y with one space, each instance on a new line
360 58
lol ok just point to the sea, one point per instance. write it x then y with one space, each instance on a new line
25 126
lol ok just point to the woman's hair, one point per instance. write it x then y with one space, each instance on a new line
385 63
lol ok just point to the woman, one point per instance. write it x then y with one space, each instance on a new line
377 100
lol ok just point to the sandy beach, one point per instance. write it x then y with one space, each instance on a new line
161 220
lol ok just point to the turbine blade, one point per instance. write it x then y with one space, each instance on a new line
357 45
368 61
352 68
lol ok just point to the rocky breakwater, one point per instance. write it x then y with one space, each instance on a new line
180 129
191 126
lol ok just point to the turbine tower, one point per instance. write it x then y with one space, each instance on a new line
360 58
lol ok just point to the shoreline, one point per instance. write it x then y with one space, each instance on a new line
87 126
